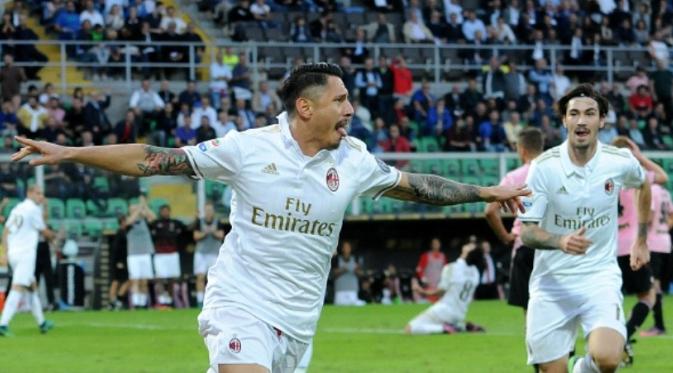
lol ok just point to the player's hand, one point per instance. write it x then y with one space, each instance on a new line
509 239
640 255
634 148
50 153
508 197
575 243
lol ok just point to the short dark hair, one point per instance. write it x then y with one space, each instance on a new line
532 140
304 77
584 90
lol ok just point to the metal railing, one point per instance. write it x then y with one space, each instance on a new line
434 61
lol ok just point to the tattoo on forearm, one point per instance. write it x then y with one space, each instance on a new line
165 161
537 238
642 230
436 190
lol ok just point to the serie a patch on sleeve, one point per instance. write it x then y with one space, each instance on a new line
208 145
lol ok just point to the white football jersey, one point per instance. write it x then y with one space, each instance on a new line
567 197
286 215
459 280
24 224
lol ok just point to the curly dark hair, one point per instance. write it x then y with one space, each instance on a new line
584 90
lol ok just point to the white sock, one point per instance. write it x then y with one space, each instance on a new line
199 297
11 305
417 328
585 365
36 307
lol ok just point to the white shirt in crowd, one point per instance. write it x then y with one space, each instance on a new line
567 197
286 215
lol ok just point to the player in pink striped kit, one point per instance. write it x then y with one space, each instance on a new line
659 243
639 282
530 144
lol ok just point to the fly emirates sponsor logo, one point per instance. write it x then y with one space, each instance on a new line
295 218
585 218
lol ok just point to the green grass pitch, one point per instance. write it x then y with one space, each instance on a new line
366 339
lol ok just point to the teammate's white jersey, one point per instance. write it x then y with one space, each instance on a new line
24 224
459 280
567 197
286 215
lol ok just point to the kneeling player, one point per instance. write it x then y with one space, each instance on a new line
456 289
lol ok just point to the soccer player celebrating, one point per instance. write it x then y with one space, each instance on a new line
456 289
20 236
529 145
571 220
292 183
640 281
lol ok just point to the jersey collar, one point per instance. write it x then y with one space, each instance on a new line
569 168
336 155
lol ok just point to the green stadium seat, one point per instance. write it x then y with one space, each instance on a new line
418 145
513 163
93 209
10 205
56 208
116 207
430 144
75 208
489 180
73 228
469 167
102 183
451 167
434 166
110 224
471 180
490 167
93 227
668 140
417 165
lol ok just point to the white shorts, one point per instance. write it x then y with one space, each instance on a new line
140 267
234 336
203 261
167 265
438 314
551 325
23 268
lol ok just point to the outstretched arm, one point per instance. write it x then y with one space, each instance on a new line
640 254
535 237
436 190
127 159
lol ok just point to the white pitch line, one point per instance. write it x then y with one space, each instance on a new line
400 331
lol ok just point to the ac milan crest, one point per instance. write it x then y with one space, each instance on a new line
609 186
332 179
235 345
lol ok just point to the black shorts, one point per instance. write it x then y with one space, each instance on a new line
659 262
119 274
522 266
636 282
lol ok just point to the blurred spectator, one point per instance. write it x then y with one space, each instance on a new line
473 25
396 144
299 31
635 134
430 264
146 103
224 124
166 125
126 130
240 80
368 81
470 96
658 49
171 17
642 33
402 77
95 117
247 116
74 121
67 25
190 95
201 110
167 234
28 52
515 82
454 30
652 135
9 122
494 80
165 93
488 287
185 111
637 79
261 12
406 129
118 267
542 78
208 235
461 137
31 115
114 19
265 100
333 33
415 31
492 136
560 84
552 135
48 91
220 75
513 126
505 35
347 269
185 135
438 27
607 133
11 78
386 97
641 103
421 101
380 31
205 131
318 27
229 57
348 73
439 120
91 14
360 51
54 111
172 53
661 83
453 7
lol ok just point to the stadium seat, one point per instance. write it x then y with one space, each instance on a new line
101 183
110 225
75 208
489 167
430 144
451 167
56 208
116 207
489 180
93 227
513 163
469 167
73 228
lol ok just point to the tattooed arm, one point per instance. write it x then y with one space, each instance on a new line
128 159
436 190
535 237
640 253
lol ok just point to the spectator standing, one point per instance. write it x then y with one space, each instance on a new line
347 270
118 267
11 78
208 235
430 264
140 248
167 234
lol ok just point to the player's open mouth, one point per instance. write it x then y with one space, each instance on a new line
582 132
